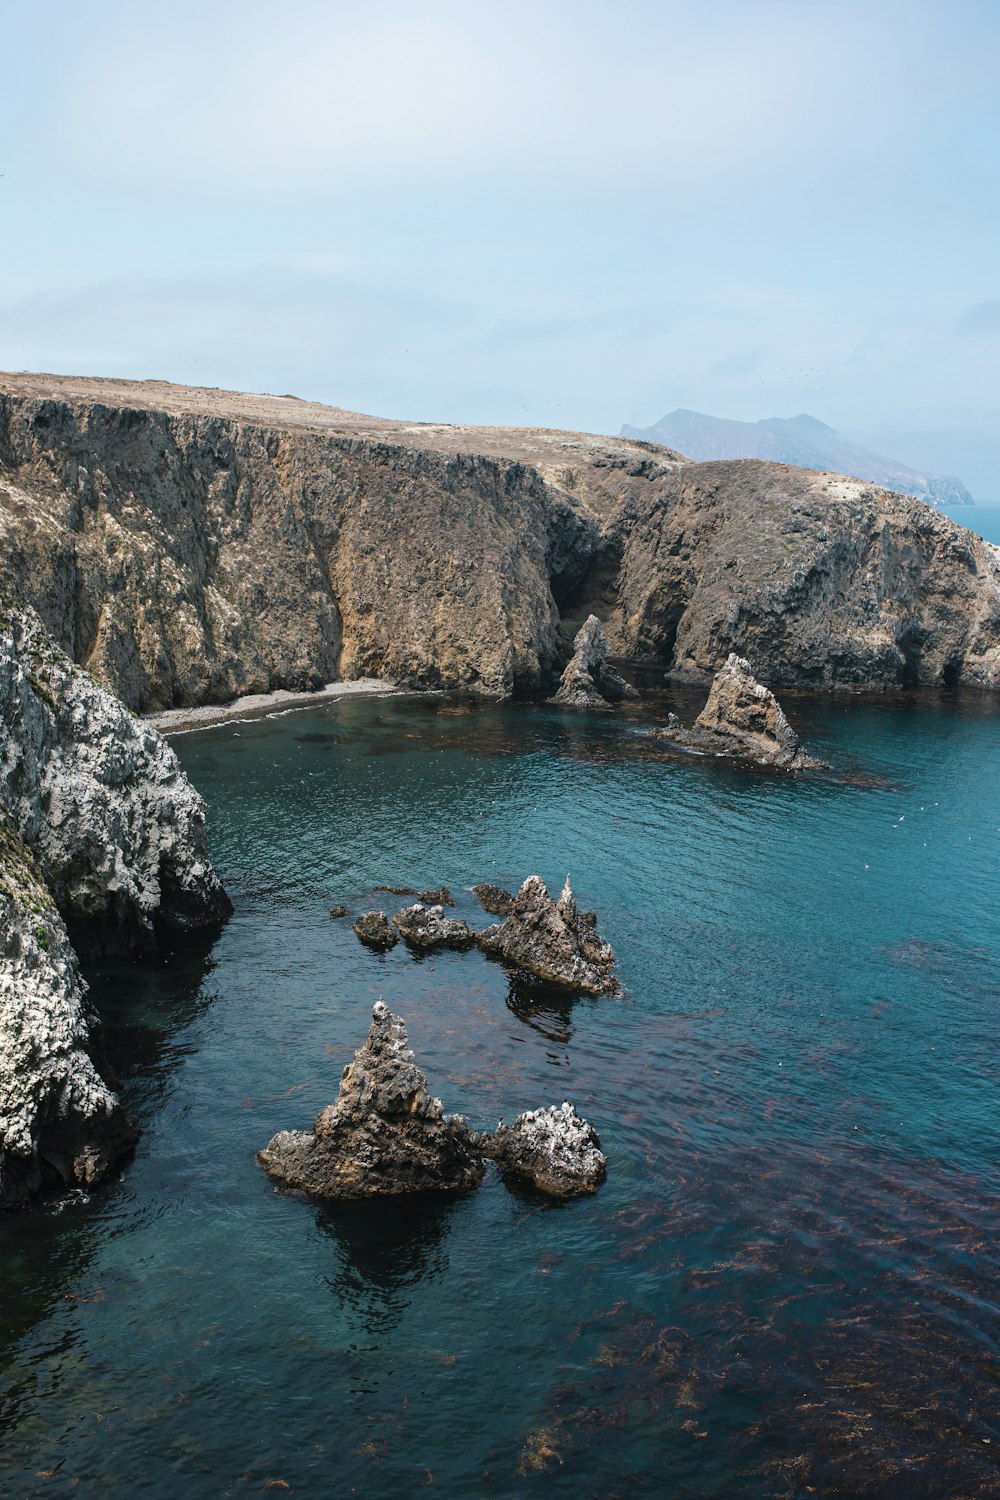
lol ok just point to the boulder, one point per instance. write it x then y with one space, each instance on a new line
742 718
494 899
383 1135
553 1149
552 940
338 910
428 927
375 930
588 680
441 896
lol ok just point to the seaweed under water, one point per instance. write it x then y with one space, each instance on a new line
787 1285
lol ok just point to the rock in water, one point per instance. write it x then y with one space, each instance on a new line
102 846
494 899
551 1148
384 1134
440 896
589 681
428 927
375 930
742 719
552 940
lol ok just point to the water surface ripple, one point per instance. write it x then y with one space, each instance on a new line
788 1285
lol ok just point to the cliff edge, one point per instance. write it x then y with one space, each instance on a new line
188 546
102 851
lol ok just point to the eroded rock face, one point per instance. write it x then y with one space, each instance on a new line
375 930
494 899
553 941
384 1135
102 847
552 1149
100 799
820 581
61 1124
428 927
589 680
742 719
189 546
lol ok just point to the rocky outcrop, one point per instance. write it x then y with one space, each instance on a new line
551 1149
102 848
428 927
384 1135
820 581
191 552
494 899
190 546
742 719
375 930
553 941
589 680
61 1124
100 799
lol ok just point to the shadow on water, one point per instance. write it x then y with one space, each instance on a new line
546 1008
385 1249
144 1010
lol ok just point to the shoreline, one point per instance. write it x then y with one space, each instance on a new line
172 721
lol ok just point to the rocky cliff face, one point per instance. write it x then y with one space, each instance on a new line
188 557
60 1120
102 841
820 581
191 545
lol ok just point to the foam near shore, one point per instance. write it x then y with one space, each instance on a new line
262 705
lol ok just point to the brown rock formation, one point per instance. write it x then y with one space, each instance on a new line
743 719
375 930
589 680
188 546
553 941
494 899
428 927
384 1134
552 1149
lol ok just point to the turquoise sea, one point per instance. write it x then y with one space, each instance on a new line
789 1284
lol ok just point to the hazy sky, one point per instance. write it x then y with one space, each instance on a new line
570 214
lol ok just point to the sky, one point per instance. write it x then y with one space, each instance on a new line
554 214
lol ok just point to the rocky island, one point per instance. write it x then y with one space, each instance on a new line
385 1135
742 720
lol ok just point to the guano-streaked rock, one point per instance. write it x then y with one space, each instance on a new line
553 941
385 1134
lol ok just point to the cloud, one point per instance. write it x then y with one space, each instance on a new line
320 94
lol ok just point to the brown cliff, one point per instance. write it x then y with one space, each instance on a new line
191 545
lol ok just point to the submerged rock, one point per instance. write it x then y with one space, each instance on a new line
428 927
588 680
494 899
440 897
742 718
553 1149
552 940
385 1134
375 930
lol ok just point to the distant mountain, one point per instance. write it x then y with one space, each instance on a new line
801 440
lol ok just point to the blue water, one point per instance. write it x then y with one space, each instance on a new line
982 518
789 1283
